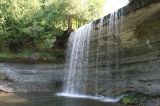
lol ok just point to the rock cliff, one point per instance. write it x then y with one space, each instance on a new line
137 51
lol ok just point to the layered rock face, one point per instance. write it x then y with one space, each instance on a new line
132 62
31 77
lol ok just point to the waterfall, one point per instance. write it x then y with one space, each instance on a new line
77 58
78 54
88 49
113 48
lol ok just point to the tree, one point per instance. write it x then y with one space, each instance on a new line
83 10
38 22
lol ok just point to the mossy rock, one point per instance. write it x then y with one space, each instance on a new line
3 77
129 99
133 99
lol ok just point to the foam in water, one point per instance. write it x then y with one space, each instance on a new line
100 98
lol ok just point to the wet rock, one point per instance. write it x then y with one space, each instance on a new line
3 76
134 98
6 89
31 77
129 100
152 102
139 59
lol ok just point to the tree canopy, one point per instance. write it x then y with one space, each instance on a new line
35 23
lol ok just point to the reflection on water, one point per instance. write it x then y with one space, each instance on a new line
47 99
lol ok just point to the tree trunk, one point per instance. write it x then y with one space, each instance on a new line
69 22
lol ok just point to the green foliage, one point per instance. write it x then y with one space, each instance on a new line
134 98
36 23
129 99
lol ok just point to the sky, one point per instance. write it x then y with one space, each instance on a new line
113 5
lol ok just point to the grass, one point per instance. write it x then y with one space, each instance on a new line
30 55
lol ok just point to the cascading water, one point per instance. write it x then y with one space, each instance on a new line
112 48
78 57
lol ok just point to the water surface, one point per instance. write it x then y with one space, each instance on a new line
47 99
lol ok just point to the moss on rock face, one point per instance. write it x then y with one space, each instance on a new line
2 77
129 99
133 99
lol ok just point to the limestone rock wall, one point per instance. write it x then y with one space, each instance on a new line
32 77
138 49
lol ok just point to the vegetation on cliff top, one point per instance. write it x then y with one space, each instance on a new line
35 23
